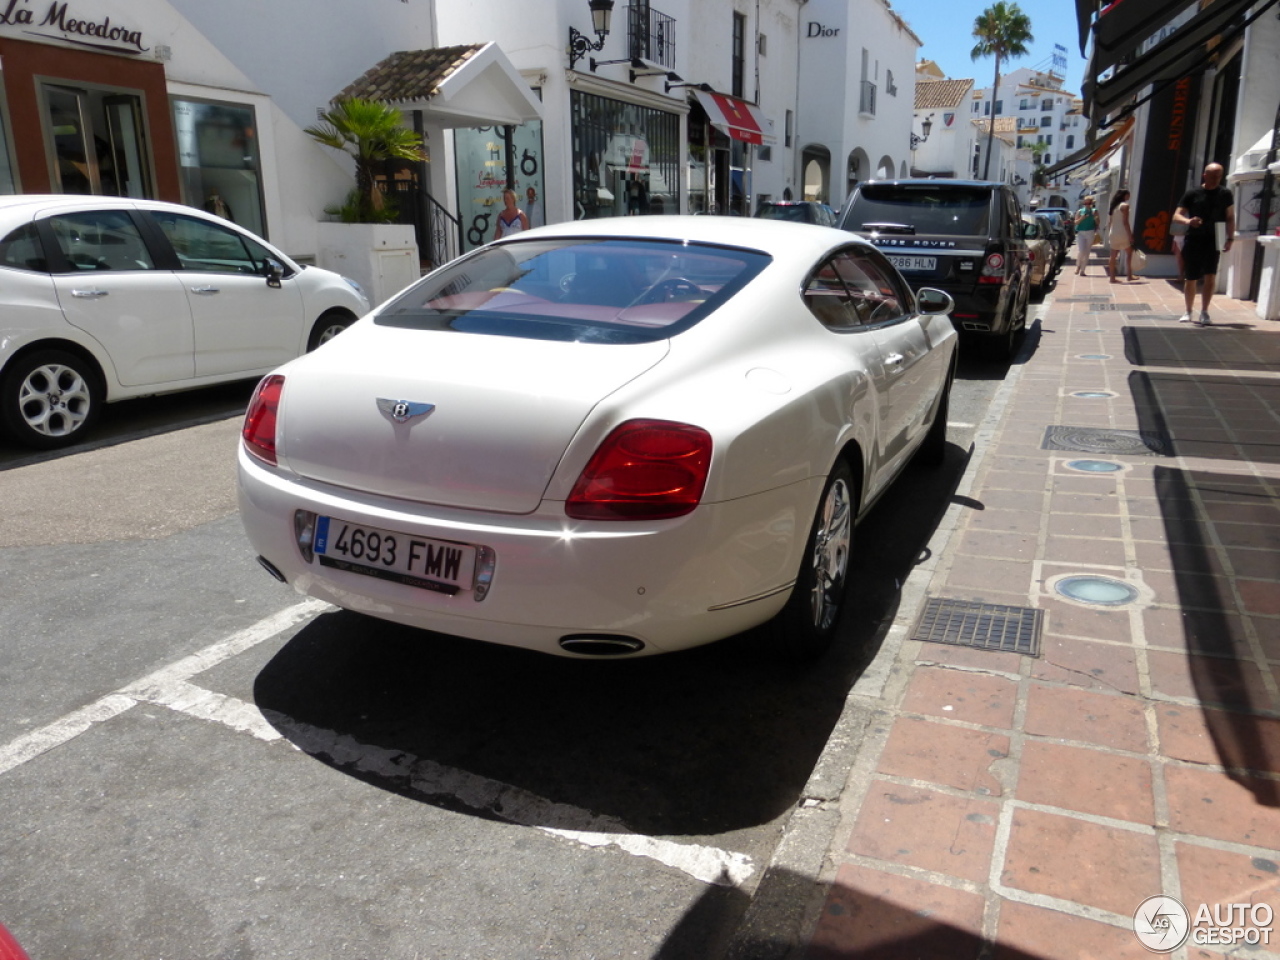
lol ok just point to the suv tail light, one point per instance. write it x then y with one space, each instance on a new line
992 268
644 470
259 431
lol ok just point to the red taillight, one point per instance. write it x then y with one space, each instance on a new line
644 470
259 432
992 269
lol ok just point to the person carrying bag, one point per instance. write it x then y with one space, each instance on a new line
1086 229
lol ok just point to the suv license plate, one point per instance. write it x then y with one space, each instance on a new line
438 565
914 264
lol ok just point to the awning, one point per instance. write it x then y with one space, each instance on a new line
1091 152
1172 58
1126 25
739 119
473 85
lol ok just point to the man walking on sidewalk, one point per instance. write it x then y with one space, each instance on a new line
1210 216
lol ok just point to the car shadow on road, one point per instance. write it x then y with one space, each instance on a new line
699 743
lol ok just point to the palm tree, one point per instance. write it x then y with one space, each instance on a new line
372 133
1003 31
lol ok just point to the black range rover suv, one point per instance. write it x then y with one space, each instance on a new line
961 236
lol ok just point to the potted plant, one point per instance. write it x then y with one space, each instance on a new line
371 133
382 256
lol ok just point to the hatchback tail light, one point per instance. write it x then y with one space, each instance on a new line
992 268
644 470
259 431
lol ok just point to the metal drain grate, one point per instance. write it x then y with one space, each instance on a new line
986 626
1132 443
1119 308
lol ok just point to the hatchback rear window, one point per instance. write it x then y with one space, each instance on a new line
590 290
928 209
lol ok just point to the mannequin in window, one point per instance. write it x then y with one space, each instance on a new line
214 204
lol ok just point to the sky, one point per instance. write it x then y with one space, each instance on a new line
946 30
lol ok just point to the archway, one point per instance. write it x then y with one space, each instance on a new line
815 170
857 168
885 170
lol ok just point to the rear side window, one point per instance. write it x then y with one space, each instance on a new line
854 289
101 240
22 250
582 289
923 208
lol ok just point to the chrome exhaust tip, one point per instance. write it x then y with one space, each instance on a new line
600 644
270 567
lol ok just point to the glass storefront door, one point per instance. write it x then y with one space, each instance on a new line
219 161
99 141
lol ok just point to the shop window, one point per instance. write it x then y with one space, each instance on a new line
8 176
219 162
99 141
626 158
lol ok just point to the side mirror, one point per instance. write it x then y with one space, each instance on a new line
933 302
275 271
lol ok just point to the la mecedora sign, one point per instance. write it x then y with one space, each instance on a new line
59 22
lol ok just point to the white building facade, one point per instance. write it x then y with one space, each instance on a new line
857 90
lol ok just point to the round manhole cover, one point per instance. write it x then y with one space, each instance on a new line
1102 441
1100 591
1095 466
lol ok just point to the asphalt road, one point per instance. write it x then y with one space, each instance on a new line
196 762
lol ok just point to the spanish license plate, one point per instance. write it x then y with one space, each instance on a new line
439 565
914 264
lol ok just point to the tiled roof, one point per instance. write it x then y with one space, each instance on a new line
410 75
940 94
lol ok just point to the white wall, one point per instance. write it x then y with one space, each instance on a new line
833 36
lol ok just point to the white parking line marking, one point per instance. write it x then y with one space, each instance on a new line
170 687
961 426
31 745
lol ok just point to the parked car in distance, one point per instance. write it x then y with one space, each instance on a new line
961 236
1043 253
1068 220
1058 234
798 211
107 298
604 438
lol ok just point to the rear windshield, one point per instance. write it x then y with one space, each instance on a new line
589 290
792 211
927 208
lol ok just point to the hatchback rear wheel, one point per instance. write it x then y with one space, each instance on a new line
49 399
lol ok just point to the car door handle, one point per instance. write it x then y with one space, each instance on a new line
205 291
894 359
88 294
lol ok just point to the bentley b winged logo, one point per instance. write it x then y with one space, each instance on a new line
402 411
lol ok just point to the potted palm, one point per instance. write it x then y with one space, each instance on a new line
365 242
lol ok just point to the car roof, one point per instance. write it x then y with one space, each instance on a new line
932 181
781 239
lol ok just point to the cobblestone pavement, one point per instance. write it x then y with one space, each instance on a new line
1008 806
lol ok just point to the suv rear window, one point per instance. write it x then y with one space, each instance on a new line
930 209
574 288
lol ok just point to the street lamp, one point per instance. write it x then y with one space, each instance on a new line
925 127
579 45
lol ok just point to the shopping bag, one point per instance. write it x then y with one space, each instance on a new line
1097 239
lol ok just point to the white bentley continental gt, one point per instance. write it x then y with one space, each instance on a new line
107 298
618 437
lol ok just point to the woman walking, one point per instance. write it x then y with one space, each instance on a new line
1120 235
1086 226
511 219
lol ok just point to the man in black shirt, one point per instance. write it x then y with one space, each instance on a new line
1202 210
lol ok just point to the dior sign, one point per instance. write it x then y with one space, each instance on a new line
59 23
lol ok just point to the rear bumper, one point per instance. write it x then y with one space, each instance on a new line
671 584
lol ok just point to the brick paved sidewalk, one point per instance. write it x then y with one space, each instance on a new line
1005 806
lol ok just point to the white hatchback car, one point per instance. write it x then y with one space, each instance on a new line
617 437
104 298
